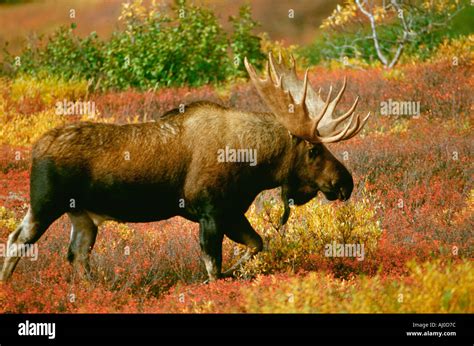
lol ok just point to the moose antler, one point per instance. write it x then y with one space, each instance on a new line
299 108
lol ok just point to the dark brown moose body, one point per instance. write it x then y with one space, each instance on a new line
207 164
152 171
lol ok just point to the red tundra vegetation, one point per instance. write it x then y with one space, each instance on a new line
412 208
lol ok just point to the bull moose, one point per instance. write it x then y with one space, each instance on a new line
153 171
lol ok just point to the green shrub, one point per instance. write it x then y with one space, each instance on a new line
64 55
185 45
243 43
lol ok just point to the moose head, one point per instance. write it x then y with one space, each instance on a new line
308 118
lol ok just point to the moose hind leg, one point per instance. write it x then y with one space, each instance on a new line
83 236
28 232
210 239
240 231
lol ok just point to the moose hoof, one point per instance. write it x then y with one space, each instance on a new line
229 274
212 279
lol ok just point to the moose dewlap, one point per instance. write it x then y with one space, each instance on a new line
153 171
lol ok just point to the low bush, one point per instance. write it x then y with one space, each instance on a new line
183 45
47 89
432 287
313 232
24 130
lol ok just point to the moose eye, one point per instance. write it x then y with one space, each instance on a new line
314 151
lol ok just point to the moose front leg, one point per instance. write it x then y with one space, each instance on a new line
210 239
240 231
286 205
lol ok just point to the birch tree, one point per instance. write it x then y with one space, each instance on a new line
407 19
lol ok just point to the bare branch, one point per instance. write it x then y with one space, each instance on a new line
406 33
401 43
371 18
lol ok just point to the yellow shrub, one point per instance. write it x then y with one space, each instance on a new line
7 219
275 47
457 51
393 74
309 231
399 126
125 232
23 130
341 15
347 62
431 287
2 105
50 89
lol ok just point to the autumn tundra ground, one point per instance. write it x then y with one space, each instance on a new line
411 209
